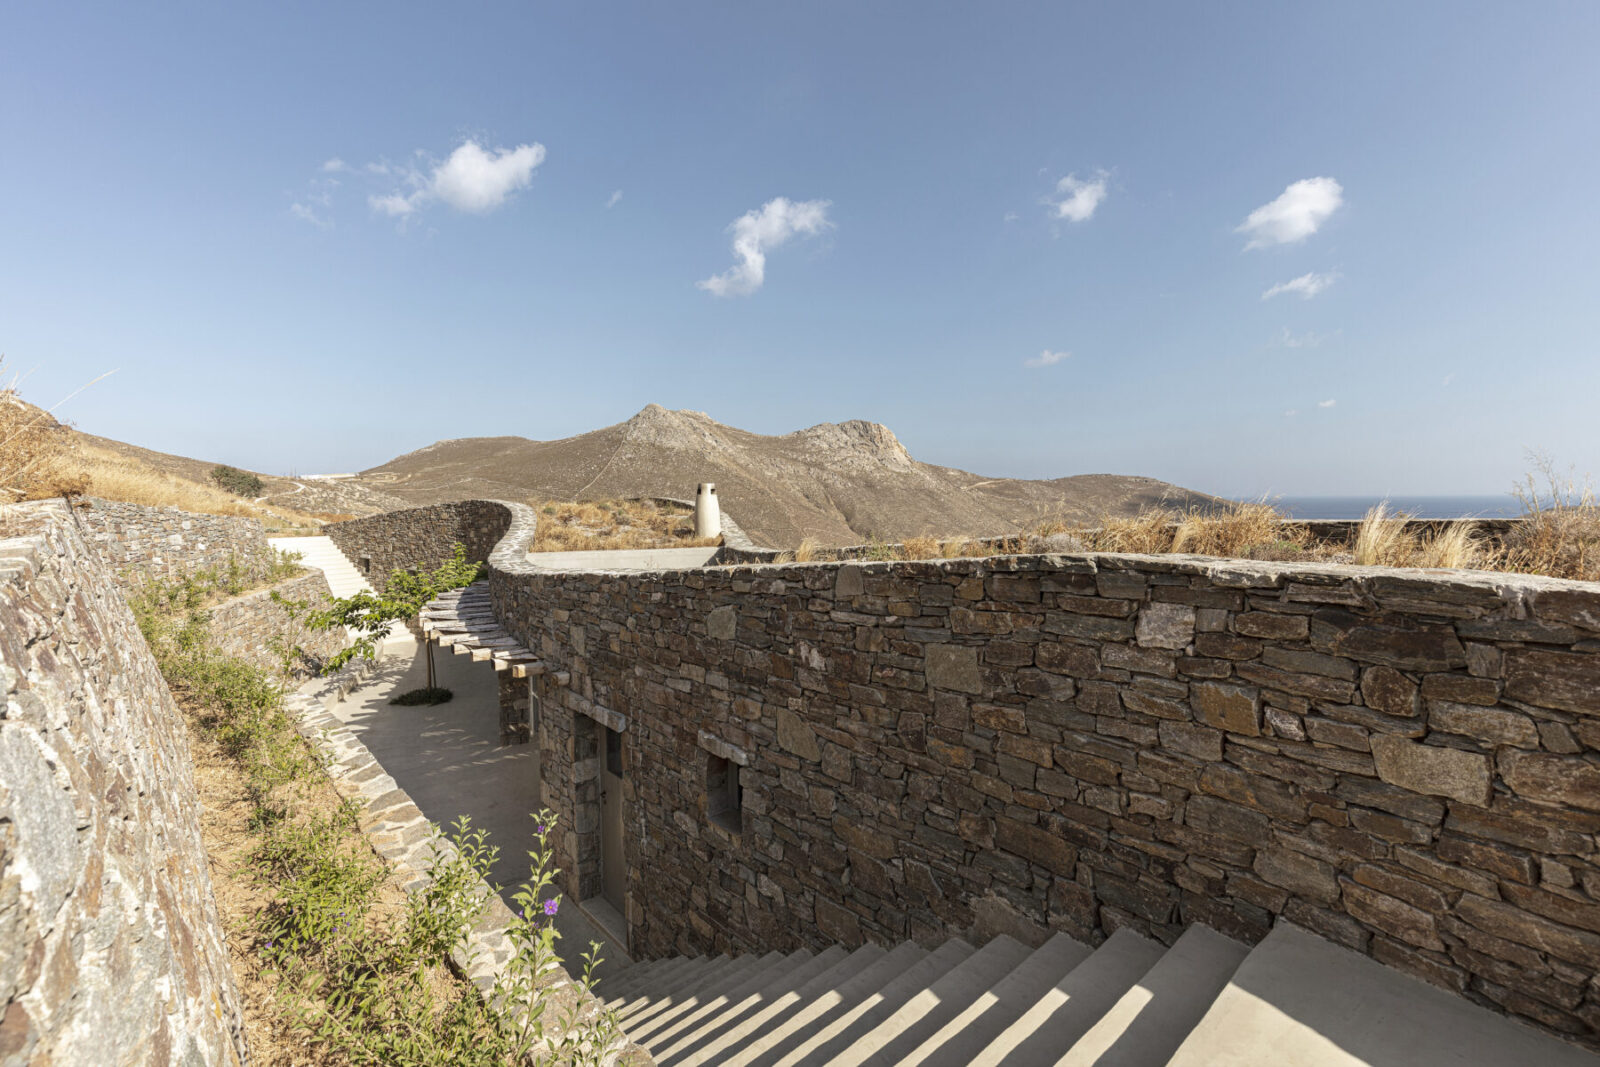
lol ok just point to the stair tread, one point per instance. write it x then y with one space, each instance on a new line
816 1009
713 984
841 1033
1066 1012
722 999
903 1029
960 1039
762 1000
1150 1021
665 985
1300 1000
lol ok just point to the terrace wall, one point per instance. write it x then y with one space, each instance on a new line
110 946
167 542
1407 762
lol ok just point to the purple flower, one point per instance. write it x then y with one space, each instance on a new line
550 907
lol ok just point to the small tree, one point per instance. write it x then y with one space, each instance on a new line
237 482
369 615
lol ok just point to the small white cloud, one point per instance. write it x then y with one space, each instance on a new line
1326 403
334 166
1289 339
757 232
1295 215
307 214
616 197
1046 358
1306 286
473 179
1011 216
1448 378
1077 199
1291 413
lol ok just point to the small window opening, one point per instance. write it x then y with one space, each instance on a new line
613 753
366 564
723 793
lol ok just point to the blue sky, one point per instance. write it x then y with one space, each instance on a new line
531 229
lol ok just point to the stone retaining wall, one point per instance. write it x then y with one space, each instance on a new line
1407 762
418 537
166 542
258 629
110 946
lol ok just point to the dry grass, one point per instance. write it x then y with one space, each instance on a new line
35 452
597 525
811 551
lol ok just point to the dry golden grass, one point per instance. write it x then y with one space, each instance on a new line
598 525
811 551
922 548
1560 530
35 452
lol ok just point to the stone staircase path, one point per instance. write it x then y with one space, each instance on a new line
1206 1001
343 578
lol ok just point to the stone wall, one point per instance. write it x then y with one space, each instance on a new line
110 946
418 537
166 542
258 629
1407 762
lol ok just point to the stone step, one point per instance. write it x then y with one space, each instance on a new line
844 987
767 999
947 980
1152 1019
1066 1012
714 986
638 979
678 978
960 1039
784 969
1299 999
932 1007
907 968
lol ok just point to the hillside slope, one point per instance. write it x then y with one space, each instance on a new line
841 483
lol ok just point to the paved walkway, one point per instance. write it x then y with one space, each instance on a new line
449 759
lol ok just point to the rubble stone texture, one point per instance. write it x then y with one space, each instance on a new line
1405 762
167 543
110 946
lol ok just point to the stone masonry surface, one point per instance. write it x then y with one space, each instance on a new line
110 946
254 627
1407 762
166 542
417 537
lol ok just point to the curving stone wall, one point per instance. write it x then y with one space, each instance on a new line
1407 762
166 542
259 630
418 537
110 946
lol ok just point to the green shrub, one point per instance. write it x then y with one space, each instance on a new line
237 482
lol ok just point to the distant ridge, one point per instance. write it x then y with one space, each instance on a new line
841 483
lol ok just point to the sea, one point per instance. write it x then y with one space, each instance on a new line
1491 506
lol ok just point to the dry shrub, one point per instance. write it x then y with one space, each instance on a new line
1235 532
1149 532
600 525
922 548
954 547
35 452
1559 534
811 551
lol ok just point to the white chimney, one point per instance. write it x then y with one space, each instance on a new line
707 515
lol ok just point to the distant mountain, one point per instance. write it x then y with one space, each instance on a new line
841 483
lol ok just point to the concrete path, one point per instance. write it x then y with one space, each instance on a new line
644 559
449 759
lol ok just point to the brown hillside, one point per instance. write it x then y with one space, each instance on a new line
841 483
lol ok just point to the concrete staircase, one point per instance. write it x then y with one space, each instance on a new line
323 554
342 576
1207 1000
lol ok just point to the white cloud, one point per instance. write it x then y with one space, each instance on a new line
1297 214
473 180
1448 378
755 233
616 197
1326 403
334 166
1291 413
308 214
1306 286
1010 216
1077 199
1308 339
1046 358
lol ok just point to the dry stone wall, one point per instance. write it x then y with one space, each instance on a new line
167 543
110 947
418 537
260 630
1407 762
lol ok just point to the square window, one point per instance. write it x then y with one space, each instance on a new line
723 794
